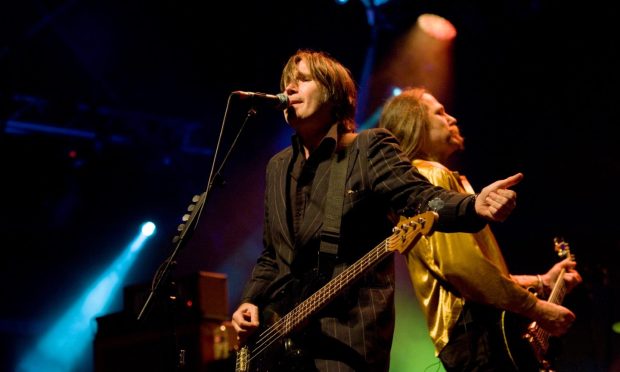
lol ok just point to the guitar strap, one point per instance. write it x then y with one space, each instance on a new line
330 233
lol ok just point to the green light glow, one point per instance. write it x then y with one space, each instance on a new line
412 349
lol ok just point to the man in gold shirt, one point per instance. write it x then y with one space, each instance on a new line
461 279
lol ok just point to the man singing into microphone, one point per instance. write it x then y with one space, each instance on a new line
353 332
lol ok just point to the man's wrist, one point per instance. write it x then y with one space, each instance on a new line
472 203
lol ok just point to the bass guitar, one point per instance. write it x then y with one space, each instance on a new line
269 347
526 343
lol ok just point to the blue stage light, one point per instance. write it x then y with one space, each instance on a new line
148 228
67 340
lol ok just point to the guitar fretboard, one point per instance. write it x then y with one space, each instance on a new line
320 298
559 290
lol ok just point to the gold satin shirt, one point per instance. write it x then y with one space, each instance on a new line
447 269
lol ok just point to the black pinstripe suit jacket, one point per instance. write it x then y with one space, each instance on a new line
355 331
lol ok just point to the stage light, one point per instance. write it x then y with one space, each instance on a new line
374 3
396 91
66 342
148 228
437 27
422 56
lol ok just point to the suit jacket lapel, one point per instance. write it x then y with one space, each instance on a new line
279 198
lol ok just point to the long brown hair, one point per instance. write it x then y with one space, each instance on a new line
406 116
336 81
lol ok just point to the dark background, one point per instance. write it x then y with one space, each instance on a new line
535 91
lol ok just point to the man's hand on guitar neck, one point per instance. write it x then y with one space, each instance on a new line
550 316
553 318
245 320
571 276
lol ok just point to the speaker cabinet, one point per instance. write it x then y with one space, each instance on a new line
184 329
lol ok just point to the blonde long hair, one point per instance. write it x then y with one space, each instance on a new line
406 116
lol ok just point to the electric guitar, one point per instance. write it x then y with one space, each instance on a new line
268 349
529 349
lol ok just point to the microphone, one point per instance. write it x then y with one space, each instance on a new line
278 101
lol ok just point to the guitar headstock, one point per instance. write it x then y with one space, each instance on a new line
409 230
562 248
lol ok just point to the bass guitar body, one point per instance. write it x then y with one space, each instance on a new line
276 351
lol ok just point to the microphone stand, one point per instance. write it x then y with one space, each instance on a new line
186 228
